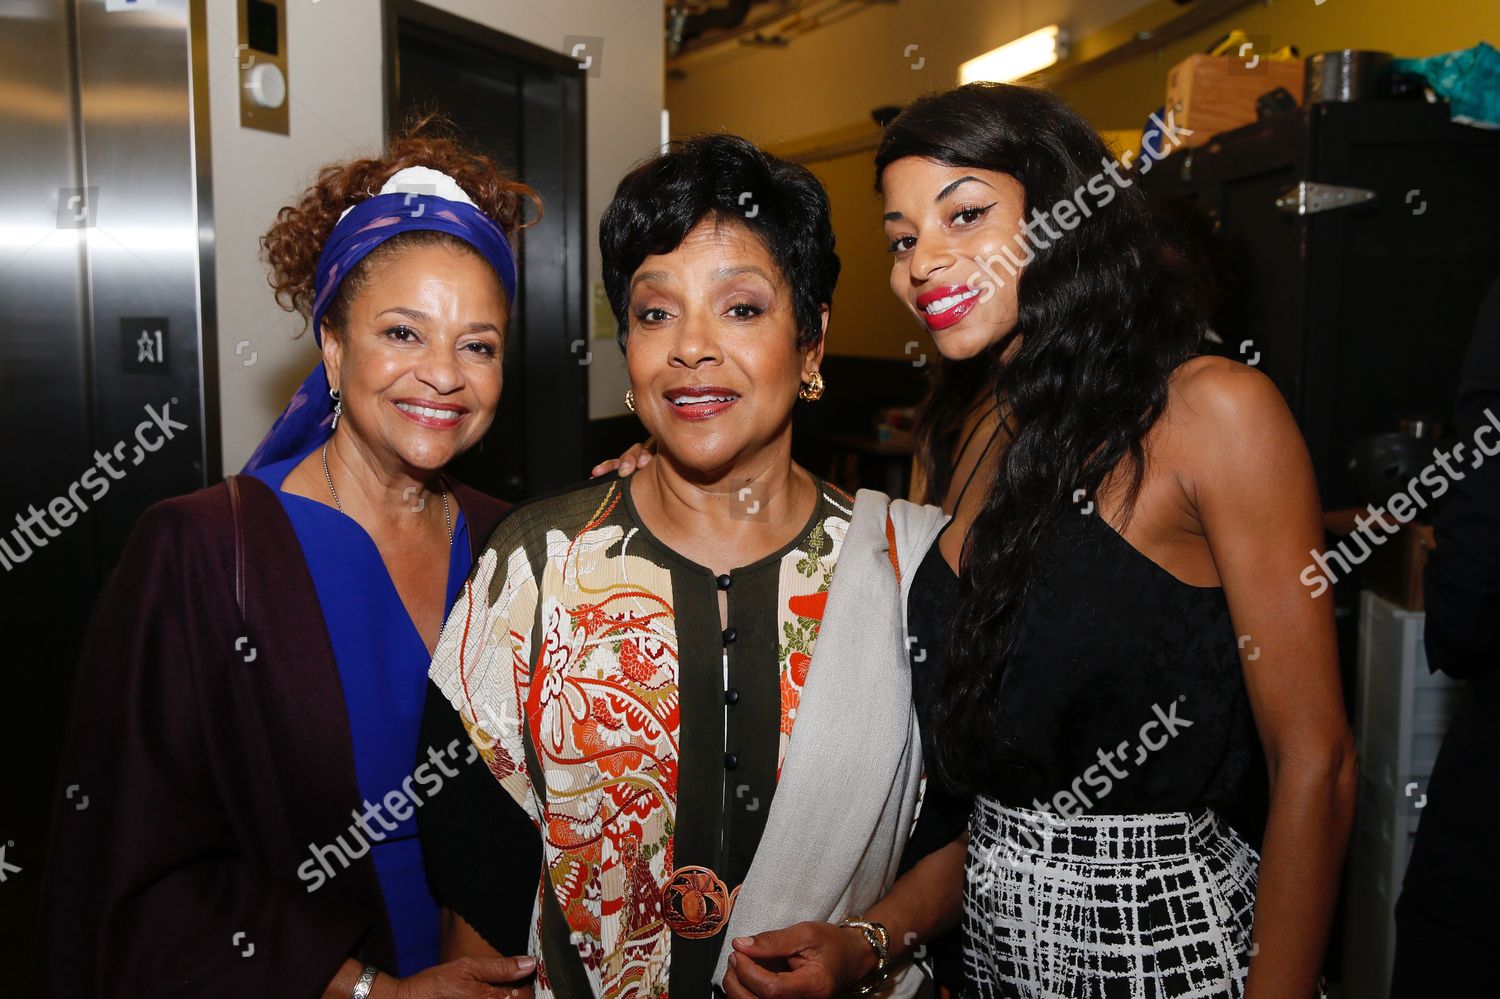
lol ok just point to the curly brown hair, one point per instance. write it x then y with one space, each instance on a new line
292 245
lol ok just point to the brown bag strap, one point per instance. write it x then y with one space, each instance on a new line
233 482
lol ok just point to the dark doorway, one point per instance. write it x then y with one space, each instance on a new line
523 105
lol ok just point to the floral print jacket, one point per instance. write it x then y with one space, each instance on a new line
641 732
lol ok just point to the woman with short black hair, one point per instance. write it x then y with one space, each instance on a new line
693 683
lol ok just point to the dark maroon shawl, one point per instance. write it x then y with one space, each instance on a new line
211 753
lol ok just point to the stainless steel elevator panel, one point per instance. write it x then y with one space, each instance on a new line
43 346
105 271
147 249
106 349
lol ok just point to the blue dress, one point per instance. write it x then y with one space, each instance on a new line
382 663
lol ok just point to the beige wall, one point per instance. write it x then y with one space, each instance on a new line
335 74
866 319
819 90
833 76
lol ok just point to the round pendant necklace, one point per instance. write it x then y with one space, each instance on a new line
447 514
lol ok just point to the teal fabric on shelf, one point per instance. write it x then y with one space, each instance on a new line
1469 80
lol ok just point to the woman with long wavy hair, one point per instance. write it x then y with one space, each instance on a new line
1126 610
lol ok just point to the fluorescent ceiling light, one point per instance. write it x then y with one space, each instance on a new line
1026 55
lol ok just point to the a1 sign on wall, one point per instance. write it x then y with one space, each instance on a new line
143 342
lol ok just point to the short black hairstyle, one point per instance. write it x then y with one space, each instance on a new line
659 202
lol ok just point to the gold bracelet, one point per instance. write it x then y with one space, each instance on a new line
879 941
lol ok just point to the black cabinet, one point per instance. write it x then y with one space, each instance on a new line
1360 305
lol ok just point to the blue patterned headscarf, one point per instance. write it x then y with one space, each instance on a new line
306 420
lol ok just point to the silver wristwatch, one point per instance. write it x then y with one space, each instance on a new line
366 980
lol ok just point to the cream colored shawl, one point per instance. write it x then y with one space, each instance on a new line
847 798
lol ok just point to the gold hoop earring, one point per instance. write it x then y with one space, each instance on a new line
812 389
630 399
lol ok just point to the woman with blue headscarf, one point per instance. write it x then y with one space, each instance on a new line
247 710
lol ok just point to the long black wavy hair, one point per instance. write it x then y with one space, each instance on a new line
1105 315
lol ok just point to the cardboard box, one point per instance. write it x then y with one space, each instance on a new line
1395 568
1213 94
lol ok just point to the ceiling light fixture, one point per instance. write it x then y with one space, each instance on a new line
1026 55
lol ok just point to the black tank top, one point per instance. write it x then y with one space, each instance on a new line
1125 694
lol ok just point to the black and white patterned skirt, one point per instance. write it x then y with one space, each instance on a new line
1106 906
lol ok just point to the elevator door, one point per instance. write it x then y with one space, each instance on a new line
106 361
524 106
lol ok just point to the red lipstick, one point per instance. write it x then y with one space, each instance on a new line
950 303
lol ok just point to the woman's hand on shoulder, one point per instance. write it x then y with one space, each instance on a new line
638 456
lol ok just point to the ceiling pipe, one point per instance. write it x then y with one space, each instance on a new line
684 27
